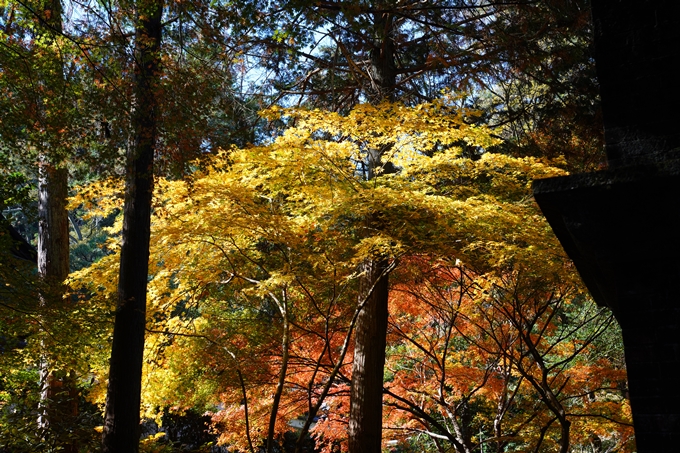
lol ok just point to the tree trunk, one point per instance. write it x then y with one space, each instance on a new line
365 416
59 403
285 356
121 424
58 398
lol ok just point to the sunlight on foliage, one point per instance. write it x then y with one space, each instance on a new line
267 240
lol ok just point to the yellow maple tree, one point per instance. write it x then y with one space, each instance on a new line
255 257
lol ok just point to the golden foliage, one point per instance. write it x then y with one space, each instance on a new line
275 233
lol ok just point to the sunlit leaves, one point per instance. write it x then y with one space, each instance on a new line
503 354
276 232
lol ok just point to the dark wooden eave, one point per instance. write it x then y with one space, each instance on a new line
620 227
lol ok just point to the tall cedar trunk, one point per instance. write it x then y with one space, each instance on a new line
121 424
59 404
365 416
58 399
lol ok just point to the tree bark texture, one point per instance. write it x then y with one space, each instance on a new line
365 417
59 395
383 67
53 239
368 367
121 424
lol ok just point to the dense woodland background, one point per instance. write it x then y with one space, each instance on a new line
343 250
